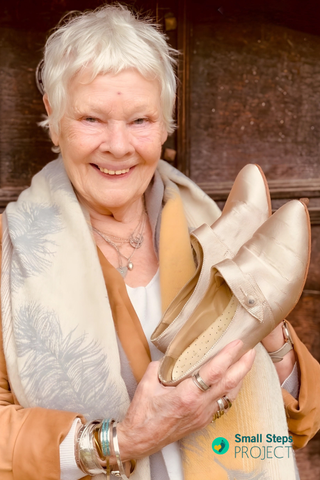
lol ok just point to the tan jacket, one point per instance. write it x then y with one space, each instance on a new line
30 437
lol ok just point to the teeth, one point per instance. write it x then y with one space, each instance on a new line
114 172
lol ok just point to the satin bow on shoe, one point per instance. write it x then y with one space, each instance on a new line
248 206
247 296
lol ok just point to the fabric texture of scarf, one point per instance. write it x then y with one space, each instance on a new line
59 335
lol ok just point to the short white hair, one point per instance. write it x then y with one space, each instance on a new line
107 40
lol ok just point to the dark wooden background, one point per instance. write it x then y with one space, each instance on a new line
253 96
249 92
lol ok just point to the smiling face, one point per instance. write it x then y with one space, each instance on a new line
110 138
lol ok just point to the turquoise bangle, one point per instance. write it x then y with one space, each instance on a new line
105 439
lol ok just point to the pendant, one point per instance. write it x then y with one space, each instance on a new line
123 271
130 266
136 241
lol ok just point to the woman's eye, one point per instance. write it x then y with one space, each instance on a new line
140 121
90 119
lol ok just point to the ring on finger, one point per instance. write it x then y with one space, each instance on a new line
221 410
200 383
224 404
227 403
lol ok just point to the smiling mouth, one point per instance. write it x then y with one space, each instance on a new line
112 172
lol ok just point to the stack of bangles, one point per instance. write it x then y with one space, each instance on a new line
95 444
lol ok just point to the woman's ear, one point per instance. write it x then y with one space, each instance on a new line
47 104
53 134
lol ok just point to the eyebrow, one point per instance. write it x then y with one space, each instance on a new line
104 111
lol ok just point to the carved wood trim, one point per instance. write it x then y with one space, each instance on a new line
311 293
314 213
279 189
288 188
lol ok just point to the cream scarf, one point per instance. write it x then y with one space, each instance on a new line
58 333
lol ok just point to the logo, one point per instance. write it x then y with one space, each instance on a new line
220 445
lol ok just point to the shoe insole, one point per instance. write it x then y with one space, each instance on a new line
202 344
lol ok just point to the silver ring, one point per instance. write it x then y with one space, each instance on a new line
200 383
220 403
224 404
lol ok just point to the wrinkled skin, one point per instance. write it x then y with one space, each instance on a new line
160 415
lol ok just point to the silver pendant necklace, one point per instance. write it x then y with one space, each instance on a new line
135 241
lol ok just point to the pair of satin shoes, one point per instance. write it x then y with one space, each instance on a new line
251 270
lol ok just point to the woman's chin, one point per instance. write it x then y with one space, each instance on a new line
114 203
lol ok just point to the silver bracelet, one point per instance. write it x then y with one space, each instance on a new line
278 355
88 457
76 446
121 473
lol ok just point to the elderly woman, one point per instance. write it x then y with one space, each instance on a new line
92 253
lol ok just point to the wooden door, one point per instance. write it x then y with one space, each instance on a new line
252 95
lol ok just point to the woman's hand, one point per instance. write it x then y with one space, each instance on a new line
272 343
161 415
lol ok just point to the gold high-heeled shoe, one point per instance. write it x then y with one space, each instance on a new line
248 206
248 296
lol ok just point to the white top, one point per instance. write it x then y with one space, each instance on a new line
147 304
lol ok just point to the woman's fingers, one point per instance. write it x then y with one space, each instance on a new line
237 371
224 372
150 384
215 369
160 415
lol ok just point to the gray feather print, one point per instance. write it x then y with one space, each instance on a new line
239 475
32 227
58 179
194 445
62 372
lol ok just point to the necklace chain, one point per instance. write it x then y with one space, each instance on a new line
135 240
132 239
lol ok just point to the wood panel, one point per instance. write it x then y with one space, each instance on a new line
255 87
24 147
254 98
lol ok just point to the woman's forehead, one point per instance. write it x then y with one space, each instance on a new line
122 79
128 86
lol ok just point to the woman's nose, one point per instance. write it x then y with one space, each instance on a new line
117 140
